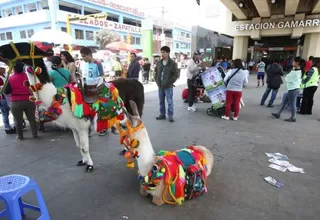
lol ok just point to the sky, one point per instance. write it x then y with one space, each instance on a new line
212 14
183 11
175 10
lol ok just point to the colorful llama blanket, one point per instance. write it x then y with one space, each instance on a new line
108 108
184 173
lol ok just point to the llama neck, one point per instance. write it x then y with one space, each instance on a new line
46 94
146 152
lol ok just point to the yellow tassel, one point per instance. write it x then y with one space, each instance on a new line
130 165
73 100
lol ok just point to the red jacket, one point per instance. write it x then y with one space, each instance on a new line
308 65
18 91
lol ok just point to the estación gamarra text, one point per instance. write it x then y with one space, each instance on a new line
280 25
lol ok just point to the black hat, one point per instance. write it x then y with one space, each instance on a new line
165 49
7 50
197 53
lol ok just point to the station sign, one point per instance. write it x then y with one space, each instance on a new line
105 24
280 25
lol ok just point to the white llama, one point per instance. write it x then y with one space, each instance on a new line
147 156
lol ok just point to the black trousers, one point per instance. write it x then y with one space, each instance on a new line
192 91
146 76
307 100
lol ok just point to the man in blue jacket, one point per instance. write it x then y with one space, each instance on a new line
134 67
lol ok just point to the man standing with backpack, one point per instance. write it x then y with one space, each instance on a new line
274 81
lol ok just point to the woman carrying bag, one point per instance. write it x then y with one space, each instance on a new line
234 80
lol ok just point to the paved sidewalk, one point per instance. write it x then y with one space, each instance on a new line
236 189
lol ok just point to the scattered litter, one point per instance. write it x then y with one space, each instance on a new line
276 167
273 182
294 169
277 156
125 217
55 140
282 163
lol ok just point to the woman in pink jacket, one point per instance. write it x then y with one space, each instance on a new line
20 101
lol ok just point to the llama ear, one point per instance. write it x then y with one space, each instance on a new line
134 108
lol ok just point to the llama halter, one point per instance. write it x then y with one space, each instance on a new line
126 138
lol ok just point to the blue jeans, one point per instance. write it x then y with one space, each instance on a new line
5 110
163 94
291 99
266 94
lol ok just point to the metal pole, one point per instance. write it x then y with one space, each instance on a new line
69 31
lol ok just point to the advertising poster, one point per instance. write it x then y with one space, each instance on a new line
211 79
218 97
214 86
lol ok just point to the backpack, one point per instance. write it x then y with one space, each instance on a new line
195 182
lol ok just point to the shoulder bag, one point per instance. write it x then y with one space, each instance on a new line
228 80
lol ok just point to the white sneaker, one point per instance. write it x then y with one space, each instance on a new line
192 109
235 118
225 117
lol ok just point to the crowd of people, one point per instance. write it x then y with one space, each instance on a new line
63 69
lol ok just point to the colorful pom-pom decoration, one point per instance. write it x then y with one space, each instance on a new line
130 165
155 167
120 117
26 83
127 155
29 70
135 143
32 98
37 70
39 102
39 86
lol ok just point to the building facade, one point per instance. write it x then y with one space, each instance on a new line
211 43
21 19
274 29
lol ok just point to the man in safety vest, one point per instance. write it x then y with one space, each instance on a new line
310 82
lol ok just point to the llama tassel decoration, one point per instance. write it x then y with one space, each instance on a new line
131 153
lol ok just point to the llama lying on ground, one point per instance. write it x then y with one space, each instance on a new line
67 107
169 177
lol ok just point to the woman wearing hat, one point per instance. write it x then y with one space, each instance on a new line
192 69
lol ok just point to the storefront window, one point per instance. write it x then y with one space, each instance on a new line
79 34
23 35
9 35
30 33
64 29
2 36
135 40
89 35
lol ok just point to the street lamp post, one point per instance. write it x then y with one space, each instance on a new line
80 18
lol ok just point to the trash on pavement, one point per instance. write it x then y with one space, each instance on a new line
294 169
281 162
277 156
276 167
273 182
